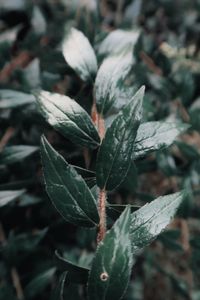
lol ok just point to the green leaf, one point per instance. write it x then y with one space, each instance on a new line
169 239
13 154
116 150
69 118
28 200
26 242
130 182
119 41
189 151
8 196
76 273
194 114
109 87
89 176
79 54
21 245
85 173
13 99
67 189
114 210
152 136
166 162
111 268
58 292
39 283
152 218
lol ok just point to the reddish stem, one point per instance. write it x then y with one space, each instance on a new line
102 216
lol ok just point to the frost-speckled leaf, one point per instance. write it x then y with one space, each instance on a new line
67 189
8 196
13 99
116 150
152 218
118 41
152 136
109 87
79 54
69 118
13 154
113 260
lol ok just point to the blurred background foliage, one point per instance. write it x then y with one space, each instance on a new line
164 39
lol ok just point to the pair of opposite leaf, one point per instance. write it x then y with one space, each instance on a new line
124 141
65 186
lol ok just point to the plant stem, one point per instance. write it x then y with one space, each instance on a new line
17 283
101 126
102 215
102 192
99 122
6 137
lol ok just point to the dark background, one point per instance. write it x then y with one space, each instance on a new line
167 61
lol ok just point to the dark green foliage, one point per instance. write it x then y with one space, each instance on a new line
117 148
111 267
56 51
151 219
66 116
75 273
67 190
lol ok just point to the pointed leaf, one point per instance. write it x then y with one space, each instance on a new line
111 268
116 150
69 118
13 154
109 87
152 136
76 273
119 41
8 196
67 189
13 99
152 218
79 54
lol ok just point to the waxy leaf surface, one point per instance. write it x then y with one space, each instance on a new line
116 150
119 41
67 189
152 218
69 118
111 268
109 87
152 136
79 54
